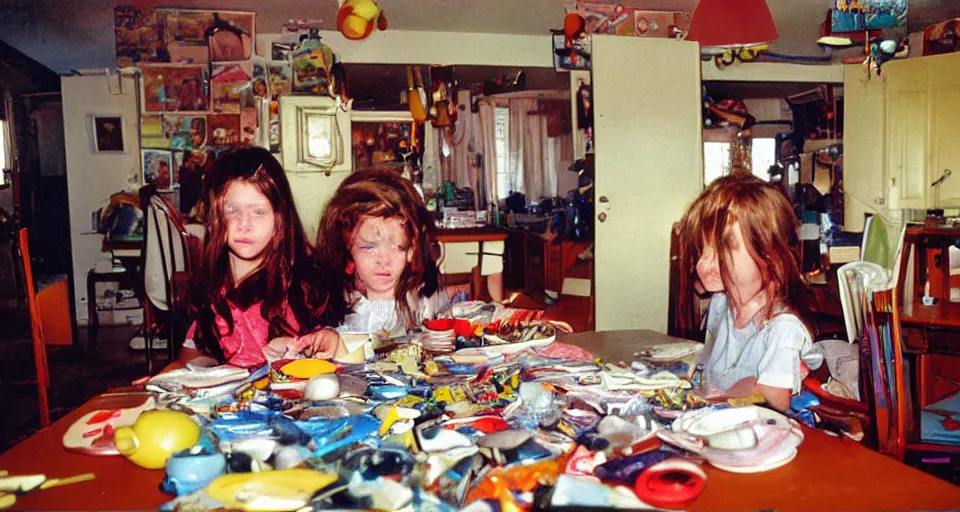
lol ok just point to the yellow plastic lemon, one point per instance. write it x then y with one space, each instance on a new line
155 437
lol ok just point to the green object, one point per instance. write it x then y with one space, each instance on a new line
876 243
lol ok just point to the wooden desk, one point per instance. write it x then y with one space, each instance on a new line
828 473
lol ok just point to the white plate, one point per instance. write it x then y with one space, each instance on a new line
507 348
758 469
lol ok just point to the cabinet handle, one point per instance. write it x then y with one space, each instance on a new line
604 199
602 217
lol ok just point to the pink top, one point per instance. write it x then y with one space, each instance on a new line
244 346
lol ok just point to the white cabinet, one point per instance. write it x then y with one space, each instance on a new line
865 181
315 134
923 102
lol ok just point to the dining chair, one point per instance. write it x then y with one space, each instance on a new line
169 249
36 330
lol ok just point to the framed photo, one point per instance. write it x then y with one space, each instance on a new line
185 132
223 130
158 168
229 92
108 136
231 36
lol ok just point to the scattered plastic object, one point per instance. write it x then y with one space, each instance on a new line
188 472
155 437
271 490
673 484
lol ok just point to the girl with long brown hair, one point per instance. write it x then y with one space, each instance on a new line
257 279
739 243
375 230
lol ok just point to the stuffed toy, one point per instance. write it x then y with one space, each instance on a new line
356 18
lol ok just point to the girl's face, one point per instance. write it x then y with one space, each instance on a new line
746 276
380 251
250 226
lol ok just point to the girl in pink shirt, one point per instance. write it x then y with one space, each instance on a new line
257 281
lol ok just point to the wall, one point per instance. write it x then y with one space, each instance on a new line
93 177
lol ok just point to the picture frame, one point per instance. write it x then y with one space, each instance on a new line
182 88
157 167
108 133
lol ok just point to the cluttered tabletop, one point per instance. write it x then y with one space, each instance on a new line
528 417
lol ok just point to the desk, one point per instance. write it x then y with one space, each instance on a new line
828 473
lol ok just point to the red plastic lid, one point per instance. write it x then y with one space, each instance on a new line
672 483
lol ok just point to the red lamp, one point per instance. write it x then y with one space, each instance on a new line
732 23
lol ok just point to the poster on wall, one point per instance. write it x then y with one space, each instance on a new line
174 87
248 126
231 36
231 87
138 36
152 134
223 130
185 132
107 133
863 15
184 33
157 169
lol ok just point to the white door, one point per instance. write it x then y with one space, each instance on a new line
649 167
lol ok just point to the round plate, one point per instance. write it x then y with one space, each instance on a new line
507 348
758 469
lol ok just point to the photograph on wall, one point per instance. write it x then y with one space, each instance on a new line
184 33
231 87
260 88
231 36
378 143
279 78
138 35
152 134
248 126
223 130
863 15
108 133
157 169
185 132
174 87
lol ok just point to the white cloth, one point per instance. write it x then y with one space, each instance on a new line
771 353
380 317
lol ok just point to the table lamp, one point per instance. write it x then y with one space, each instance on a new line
732 23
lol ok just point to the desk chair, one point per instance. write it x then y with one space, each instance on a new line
36 329
168 253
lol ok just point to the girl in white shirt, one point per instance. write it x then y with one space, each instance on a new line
375 229
739 243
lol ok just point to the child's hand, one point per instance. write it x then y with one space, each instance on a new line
322 344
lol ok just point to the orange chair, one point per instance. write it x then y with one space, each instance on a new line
36 327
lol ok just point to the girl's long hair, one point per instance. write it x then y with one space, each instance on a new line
385 194
288 276
770 232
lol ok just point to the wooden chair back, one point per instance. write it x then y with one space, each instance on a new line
36 330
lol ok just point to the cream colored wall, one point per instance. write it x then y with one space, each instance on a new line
92 177
311 191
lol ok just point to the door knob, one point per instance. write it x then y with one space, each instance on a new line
602 217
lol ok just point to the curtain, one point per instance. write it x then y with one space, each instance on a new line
516 146
486 136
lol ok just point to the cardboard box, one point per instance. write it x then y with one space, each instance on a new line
115 317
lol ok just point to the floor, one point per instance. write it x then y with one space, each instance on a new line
76 375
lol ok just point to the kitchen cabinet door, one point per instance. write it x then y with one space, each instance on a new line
945 130
865 181
908 123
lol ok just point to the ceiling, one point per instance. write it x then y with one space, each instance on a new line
78 33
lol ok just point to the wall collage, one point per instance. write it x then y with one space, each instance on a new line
203 91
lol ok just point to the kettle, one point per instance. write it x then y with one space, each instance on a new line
155 437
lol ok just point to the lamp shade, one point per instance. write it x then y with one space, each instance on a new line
732 23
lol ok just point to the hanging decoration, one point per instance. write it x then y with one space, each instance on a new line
357 18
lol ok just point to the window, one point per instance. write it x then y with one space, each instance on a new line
506 179
716 160
763 154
